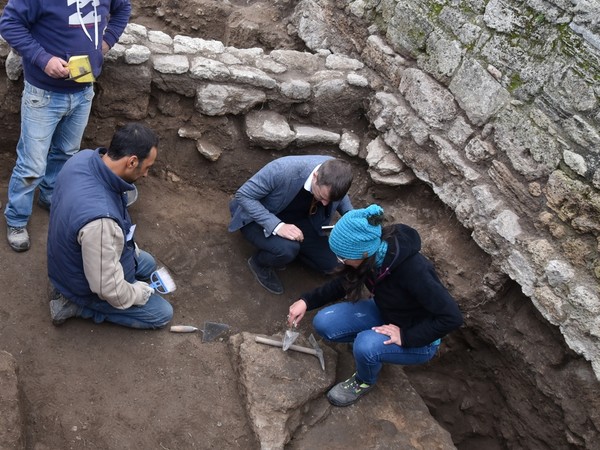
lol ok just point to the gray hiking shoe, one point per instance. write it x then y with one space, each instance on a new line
62 309
348 392
18 238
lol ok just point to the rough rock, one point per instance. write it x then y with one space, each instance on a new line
268 129
434 104
209 150
477 92
280 389
218 100
306 135
11 421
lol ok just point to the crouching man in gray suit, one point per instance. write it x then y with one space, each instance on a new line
281 210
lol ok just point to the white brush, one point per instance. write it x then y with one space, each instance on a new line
162 281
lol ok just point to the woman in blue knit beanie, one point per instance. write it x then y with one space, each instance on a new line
404 315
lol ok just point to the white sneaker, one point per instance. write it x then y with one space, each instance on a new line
18 238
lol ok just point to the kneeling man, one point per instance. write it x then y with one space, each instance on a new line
94 265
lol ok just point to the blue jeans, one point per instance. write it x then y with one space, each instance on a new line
156 313
352 322
52 125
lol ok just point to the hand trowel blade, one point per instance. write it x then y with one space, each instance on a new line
289 338
213 330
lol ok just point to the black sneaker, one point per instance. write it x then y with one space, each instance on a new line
18 238
348 392
266 276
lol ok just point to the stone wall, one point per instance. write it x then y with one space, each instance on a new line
495 105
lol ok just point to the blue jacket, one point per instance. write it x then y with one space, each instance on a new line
407 292
86 190
41 29
273 188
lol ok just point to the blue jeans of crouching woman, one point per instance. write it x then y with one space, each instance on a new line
352 322
52 125
156 313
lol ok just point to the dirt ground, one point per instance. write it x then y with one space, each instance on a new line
102 386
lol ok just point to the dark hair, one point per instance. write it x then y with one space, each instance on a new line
353 279
132 139
337 175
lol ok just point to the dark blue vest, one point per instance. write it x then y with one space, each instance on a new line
86 190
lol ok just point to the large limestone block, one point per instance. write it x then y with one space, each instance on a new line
307 135
477 92
218 100
442 57
533 151
281 390
432 102
269 129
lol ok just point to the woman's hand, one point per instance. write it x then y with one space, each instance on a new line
296 312
392 331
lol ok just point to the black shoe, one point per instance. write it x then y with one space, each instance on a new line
266 276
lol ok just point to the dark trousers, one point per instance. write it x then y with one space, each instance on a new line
275 251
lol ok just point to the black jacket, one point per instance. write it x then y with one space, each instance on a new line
407 292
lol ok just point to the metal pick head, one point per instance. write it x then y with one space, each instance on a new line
318 351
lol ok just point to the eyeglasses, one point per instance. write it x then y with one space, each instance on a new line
341 260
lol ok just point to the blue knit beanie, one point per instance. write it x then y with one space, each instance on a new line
353 237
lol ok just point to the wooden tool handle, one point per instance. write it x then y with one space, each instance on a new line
276 343
183 329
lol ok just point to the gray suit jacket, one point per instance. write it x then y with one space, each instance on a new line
272 188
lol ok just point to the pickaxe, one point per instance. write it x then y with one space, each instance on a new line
316 350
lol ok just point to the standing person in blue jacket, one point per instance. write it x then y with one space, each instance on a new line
282 208
93 262
54 109
408 309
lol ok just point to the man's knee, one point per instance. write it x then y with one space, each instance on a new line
163 315
288 250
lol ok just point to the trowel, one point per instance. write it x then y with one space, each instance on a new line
290 336
210 332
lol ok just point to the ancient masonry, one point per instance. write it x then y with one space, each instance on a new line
498 112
